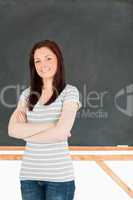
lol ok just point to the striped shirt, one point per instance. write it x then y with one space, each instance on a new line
48 161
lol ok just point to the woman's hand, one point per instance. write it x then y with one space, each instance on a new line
21 116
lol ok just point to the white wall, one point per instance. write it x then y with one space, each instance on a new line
91 181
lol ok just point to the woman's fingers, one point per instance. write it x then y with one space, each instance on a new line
17 117
21 116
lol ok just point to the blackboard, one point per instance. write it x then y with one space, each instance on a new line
96 39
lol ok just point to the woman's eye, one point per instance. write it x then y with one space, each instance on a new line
39 61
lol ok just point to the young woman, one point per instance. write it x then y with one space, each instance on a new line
44 117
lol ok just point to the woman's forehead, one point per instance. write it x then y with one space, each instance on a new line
44 51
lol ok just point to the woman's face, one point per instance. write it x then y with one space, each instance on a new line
45 62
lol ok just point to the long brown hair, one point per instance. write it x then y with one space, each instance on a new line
36 82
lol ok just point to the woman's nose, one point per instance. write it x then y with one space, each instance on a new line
46 67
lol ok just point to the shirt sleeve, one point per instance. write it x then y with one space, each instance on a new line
72 94
24 95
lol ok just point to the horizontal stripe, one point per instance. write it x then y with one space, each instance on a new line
27 157
47 120
64 142
46 178
43 119
48 175
46 146
47 169
46 150
46 157
59 154
46 164
44 114
32 163
41 109
51 152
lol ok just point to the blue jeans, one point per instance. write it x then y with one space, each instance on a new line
47 190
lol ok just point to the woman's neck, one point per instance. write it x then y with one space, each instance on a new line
48 84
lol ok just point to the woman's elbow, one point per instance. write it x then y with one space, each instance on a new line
12 132
64 135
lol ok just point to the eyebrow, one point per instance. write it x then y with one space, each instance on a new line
45 56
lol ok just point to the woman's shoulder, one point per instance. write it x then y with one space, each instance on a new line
25 93
73 94
27 89
72 90
71 87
